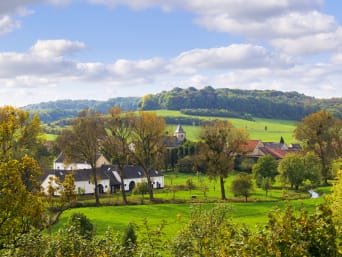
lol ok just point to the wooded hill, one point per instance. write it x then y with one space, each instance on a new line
208 101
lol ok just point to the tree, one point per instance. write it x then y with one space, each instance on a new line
83 141
19 134
116 144
335 202
129 239
312 168
68 192
291 170
221 144
266 167
321 133
20 209
147 149
242 185
295 168
82 224
141 188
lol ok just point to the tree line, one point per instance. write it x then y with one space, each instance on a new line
236 103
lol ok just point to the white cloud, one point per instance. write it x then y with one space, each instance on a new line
231 57
56 48
279 22
336 58
12 6
125 68
292 25
310 44
45 66
7 24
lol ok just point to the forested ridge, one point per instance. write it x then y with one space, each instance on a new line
205 102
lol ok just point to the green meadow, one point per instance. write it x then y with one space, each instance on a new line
267 130
175 216
176 211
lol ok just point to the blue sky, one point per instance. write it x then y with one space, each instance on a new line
99 49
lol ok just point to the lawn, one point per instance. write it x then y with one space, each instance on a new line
175 215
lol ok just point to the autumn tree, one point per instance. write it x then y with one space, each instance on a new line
221 144
321 133
147 146
242 185
83 140
20 134
116 144
68 190
20 209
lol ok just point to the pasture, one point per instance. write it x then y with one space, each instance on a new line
175 216
267 130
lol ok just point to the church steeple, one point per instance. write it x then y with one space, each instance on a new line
179 133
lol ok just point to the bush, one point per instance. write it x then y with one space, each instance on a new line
82 224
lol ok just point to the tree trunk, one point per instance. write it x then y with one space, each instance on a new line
97 199
150 186
223 193
122 186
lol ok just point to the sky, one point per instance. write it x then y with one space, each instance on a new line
101 49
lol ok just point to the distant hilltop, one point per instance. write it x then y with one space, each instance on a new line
234 102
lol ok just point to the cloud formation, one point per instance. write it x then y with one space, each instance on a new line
277 36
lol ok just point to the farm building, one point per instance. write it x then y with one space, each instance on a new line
108 179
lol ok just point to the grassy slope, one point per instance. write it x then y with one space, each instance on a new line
256 129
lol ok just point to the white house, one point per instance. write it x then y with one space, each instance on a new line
108 179
60 163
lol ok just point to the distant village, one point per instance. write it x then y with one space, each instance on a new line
108 175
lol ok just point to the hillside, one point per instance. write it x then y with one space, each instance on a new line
208 101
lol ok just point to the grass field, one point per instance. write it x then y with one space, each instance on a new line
175 215
267 130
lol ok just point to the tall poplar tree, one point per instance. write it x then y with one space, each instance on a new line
147 145
116 144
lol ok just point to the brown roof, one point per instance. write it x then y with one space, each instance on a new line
250 145
276 153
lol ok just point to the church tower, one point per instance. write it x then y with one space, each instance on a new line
179 133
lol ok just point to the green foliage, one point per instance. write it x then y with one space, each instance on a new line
62 109
68 192
141 188
266 167
20 209
242 185
295 168
82 225
206 234
221 143
321 133
266 104
129 238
